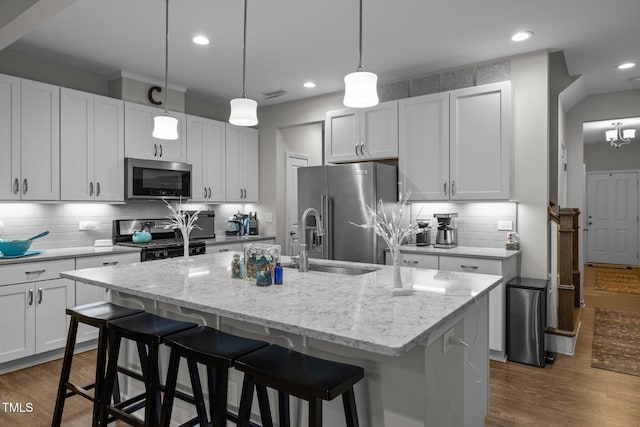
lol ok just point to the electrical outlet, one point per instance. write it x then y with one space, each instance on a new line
505 225
232 394
446 341
87 226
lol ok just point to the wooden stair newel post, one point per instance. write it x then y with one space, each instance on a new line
568 269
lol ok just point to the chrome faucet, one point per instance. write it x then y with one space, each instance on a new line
303 263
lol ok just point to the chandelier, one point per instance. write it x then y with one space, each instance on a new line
619 137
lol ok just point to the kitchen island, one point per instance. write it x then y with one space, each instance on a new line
413 377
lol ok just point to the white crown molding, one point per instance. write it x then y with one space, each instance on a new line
138 77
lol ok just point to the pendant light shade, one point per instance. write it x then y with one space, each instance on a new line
243 109
360 87
243 112
165 126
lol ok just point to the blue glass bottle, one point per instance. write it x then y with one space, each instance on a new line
277 274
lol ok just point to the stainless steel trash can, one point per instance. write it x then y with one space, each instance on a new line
526 320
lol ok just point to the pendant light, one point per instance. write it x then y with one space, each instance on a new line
244 110
165 126
360 87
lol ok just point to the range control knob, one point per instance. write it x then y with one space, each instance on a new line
156 254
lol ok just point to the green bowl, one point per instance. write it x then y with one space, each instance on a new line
14 247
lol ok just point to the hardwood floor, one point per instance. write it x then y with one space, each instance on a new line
568 393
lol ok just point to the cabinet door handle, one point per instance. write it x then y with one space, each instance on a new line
445 188
241 193
16 186
356 148
110 263
91 188
453 188
223 250
25 186
205 192
39 295
155 150
32 272
469 267
160 150
362 148
30 296
97 189
209 192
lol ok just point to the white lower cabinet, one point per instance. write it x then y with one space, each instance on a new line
507 268
86 293
32 307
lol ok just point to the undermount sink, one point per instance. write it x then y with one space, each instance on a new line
335 269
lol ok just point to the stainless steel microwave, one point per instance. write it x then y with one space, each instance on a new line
155 179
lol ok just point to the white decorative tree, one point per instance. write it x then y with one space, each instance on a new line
182 220
395 228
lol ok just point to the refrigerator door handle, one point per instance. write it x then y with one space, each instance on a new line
327 243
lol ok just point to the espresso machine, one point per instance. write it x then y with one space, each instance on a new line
446 235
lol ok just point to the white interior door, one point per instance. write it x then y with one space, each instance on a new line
293 162
612 218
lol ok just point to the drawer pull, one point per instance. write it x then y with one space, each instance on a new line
470 267
29 273
412 261
39 295
110 263
30 296
223 250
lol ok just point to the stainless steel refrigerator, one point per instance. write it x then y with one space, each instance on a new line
337 193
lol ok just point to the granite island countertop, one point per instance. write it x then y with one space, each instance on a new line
355 311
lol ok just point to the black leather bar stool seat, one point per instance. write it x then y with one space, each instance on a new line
148 331
292 373
97 315
217 351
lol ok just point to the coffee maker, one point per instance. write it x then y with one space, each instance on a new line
446 236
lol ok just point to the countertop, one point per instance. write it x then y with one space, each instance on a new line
62 253
355 311
461 251
87 251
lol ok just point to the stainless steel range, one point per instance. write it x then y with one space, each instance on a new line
164 242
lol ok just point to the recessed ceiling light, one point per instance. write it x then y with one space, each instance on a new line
201 40
309 84
626 65
521 36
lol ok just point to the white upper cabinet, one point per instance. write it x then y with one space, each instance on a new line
481 142
92 147
138 140
39 141
242 158
9 138
362 134
457 145
423 160
206 154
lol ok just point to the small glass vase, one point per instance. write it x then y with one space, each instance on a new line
397 289
185 241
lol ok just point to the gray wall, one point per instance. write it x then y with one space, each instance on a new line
603 157
595 107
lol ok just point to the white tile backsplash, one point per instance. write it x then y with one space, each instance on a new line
23 220
477 223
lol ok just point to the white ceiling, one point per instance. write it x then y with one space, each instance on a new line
290 41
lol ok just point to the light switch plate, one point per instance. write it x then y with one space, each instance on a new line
87 226
505 225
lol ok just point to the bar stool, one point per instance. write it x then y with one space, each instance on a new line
300 375
216 350
95 314
148 331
